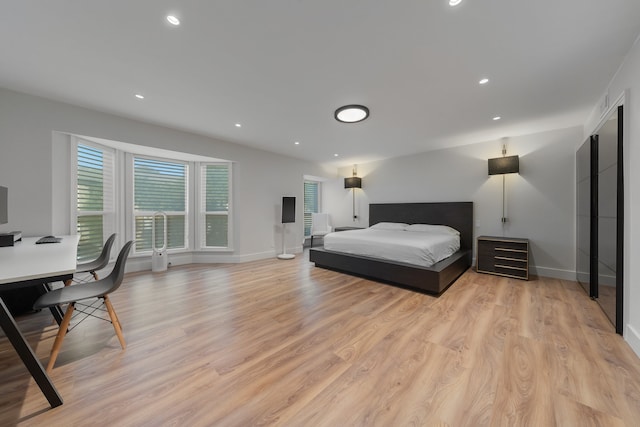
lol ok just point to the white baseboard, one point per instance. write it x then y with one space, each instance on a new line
212 257
632 337
143 263
554 273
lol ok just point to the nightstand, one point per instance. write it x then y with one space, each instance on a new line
503 256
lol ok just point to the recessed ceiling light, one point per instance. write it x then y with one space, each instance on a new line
238 125
297 143
173 20
484 81
139 96
351 113
497 118
335 155
454 2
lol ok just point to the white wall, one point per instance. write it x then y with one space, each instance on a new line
627 83
35 169
540 200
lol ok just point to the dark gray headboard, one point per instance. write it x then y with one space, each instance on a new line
458 215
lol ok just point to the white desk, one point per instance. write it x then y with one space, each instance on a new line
27 261
26 264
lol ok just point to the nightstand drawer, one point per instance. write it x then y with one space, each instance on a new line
510 262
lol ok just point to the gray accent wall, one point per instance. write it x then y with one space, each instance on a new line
540 201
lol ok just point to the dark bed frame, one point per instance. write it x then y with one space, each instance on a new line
434 279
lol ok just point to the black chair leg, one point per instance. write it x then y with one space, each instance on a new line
312 240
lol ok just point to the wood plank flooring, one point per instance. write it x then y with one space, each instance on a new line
282 343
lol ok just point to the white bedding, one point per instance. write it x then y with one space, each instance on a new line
423 248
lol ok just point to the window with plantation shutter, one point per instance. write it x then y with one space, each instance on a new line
121 188
311 203
94 198
160 186
215 204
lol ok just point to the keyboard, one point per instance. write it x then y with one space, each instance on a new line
48 239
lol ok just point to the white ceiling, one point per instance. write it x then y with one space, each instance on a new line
281 67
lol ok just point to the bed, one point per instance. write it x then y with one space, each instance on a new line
433 279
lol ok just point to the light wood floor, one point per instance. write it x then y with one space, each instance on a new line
283 343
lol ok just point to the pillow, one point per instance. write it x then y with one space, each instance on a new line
441 229
389 226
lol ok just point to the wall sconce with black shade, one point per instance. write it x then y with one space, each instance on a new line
353 182
502 166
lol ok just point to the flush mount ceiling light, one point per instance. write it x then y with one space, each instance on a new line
484 81
454 2
173 20
139 96
497 118
351 113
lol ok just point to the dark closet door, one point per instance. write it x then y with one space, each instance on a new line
609 218
599 217
586 214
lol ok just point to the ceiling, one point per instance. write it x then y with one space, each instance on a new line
280 68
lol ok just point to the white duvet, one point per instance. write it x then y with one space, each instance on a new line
412 247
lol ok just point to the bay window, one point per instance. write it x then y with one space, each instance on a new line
215 203
160 186
311 203
94 198
122 188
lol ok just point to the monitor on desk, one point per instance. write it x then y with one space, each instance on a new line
4 207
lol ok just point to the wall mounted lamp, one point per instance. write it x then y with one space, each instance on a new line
353 182
502 166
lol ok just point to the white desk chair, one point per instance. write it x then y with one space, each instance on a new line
319 225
